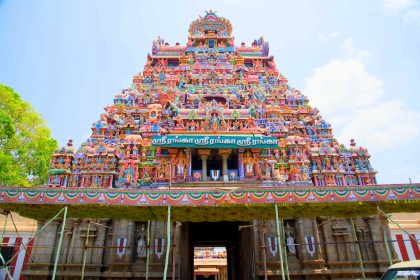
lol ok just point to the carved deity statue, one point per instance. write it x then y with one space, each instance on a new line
162 172
249 163
290 238
181 162
141 246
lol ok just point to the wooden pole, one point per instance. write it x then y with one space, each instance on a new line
286 261
279 241
173 253
57 256
1 244
359 255
263 229
85 252
148 250
168 243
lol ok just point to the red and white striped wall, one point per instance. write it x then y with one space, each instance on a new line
18 264
407 249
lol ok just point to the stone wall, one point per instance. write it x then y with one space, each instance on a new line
321 248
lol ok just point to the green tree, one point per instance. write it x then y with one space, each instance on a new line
25 142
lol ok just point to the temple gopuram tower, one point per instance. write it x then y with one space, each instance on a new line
210 166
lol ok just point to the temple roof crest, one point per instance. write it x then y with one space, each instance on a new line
210 25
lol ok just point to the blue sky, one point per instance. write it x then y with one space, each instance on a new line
357 61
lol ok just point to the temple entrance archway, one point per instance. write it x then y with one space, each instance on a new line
205 236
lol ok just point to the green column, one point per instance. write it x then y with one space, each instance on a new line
168 242
279 241
57 256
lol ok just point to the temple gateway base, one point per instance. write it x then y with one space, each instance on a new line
321 248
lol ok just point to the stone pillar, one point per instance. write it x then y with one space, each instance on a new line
97 253
189 178
240 165
36 249
342 233
51 240
377 234
107 251
43 250
256 154
204 164
318 248
75 233
66 241
91 238
300 238
225 168
204 153
224 153
79 242
330 248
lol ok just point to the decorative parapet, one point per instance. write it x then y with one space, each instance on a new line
240 203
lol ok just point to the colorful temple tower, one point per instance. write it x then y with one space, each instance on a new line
211 115
211 111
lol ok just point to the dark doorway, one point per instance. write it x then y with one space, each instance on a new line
233 160
197 162
239 246
221 234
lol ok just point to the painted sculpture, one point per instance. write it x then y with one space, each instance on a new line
210 111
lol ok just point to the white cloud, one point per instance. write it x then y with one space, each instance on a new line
384 126
351 99
352 51
341 87
398 5
329 37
